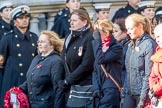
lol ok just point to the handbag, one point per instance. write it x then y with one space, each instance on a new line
80 96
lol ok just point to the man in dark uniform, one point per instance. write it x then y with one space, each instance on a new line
5 25
18 48
61 23
130 8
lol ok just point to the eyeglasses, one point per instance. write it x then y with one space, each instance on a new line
42 42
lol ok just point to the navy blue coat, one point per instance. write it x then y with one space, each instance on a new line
18 51
41 81
124 12
4 28
61 23
112 60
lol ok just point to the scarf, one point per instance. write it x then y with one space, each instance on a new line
106 43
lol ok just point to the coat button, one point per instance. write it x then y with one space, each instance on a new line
32 73
19 55
33 44
30 93
20 64
2 26
16 36
42 99
18 45
33 54
21 74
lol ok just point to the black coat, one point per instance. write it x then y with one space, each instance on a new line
124 12
5 27
41 81
80 67
61 23
18 51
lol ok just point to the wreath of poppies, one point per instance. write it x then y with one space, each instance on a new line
21 97
149 104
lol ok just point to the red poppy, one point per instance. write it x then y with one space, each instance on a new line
39 66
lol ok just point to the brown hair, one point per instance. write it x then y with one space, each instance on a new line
83 15
121 23
54 40
139 19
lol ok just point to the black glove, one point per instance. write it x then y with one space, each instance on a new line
153 97
97 94
62 84
140 104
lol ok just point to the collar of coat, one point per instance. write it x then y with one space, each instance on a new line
22 36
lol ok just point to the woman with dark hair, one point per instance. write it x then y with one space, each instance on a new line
78 57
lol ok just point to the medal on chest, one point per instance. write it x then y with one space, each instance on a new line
137 49
80 51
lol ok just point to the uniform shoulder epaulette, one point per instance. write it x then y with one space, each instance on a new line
122 8
33 34
8 33
63 12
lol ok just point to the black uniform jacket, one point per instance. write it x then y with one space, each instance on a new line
4 28
61 23
124 12
18 51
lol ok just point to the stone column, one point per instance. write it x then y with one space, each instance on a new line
34 24
42 24
50 20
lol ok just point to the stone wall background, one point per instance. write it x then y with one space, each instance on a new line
44 11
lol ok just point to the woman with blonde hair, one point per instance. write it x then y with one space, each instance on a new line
108 53
44 72
137 61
